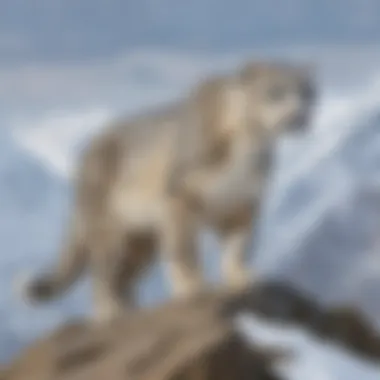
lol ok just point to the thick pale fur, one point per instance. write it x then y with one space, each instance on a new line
148 184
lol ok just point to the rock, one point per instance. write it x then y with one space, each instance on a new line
180 340
191 339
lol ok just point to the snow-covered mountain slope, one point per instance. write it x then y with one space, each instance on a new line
325 209
311 357
31 197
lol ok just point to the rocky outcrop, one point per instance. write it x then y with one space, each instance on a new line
191 340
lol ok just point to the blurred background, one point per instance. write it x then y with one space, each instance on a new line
66 67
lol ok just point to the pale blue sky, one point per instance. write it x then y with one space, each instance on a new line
81 29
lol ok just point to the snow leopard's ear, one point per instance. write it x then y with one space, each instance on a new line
253 69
